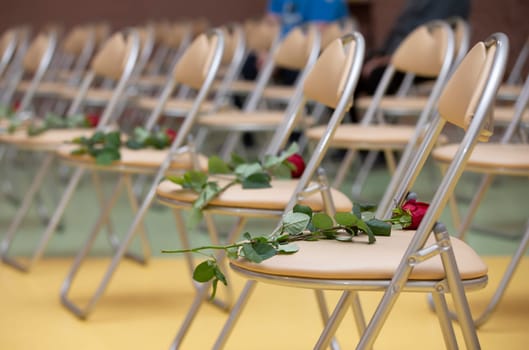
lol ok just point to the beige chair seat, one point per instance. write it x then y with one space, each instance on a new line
147 158
239 86
361 261
404 106
47 141
94 97
504 115
257 120
509 92
152 80
277 92
508 157
273 198
173 107
371 136
45 88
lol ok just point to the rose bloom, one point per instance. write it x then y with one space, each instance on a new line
299 164
416 210
92 119
171 134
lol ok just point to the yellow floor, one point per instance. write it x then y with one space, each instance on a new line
145 305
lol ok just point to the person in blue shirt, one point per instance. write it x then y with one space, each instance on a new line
292 13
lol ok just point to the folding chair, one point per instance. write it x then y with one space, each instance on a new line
427 51
412 261
103 65
331 81
505 158
196 69
298 50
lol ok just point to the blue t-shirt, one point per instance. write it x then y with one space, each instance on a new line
295 12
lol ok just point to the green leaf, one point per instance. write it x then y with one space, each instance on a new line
236 160
245 170
208 192
195 180
194 217
298 208
346 219
217 166
250 253
113 139
205 271
133 144
295 223
106 157
179 180
290 248
379 227
322 221
256 180
264 250
283 170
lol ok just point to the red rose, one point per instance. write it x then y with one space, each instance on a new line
299 165
416 210
92 119
16 106
171 134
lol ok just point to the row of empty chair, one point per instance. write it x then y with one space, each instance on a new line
124 75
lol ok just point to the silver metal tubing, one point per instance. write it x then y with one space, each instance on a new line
445 323
334 321
235 313
324 314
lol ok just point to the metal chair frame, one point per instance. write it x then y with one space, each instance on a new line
416 252
302 188
48 160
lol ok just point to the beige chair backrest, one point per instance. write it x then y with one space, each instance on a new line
192 67
422 52
7 37
35 52
458 102
111 58
295 49
326 81
232 38
260 34
76 39
174 34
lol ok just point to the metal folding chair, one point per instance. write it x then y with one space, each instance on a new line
405 261
197 69
331 81
508 157
103 65
427 51
510 90
298 51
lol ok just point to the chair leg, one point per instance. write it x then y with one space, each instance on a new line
361 177
21 214
79 258
344 168
229 145
335 319
478 197
456 288
235 314
441 308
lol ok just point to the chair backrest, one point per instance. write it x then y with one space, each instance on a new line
466 102
8 44
298 50
335 30
330 81
462 38
115 60
196 69
427 51
261 34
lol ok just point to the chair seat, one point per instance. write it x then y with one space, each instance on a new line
278 92
503 115
94 97
486 156
147 158
361 261
173 107
231 120
152 80
397 106
47 141
239 86
509 92
369 136
45 88
273 198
